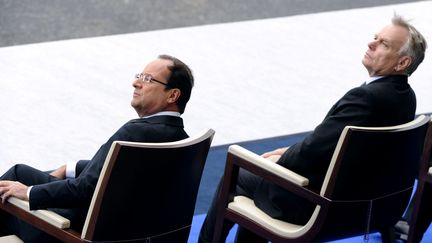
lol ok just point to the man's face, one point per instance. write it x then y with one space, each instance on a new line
152 97
382 57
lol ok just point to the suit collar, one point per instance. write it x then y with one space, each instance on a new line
161 113
374 78
162 119
392 78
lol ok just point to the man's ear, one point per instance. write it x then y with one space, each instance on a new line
174 95
403 64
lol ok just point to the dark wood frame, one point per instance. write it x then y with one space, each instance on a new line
424 179
227 194
67 235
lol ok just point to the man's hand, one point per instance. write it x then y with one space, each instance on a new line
13 188
275 154
60 172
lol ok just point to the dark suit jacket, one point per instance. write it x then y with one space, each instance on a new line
73 196
384 102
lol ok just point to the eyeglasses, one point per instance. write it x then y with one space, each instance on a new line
147 78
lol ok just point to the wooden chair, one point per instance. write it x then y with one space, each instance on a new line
146 192
366 189
422 194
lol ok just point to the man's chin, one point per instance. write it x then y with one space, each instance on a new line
133 104
366 63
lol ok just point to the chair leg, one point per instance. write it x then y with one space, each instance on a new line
422 215
388 235
245 236
217 236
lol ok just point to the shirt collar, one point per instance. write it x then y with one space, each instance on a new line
164 113
373 78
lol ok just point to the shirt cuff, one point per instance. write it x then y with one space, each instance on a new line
70 169
28 192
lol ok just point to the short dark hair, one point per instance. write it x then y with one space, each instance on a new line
181 78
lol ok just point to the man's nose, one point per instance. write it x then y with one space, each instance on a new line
136 83
372 45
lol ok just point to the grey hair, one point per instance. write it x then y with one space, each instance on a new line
414 47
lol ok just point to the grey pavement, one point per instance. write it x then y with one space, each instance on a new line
33 21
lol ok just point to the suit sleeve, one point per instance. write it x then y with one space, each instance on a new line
80 166
354 108
77 191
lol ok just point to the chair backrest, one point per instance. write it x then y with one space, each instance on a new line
371 176
147 190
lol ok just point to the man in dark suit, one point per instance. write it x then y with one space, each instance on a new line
386 99
160 95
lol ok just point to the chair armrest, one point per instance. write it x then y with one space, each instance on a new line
46 215
10 239
268 165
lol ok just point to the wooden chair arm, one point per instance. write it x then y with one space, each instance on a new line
45 220
268 165
269 171
239 157
46 215
10 239
429 175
